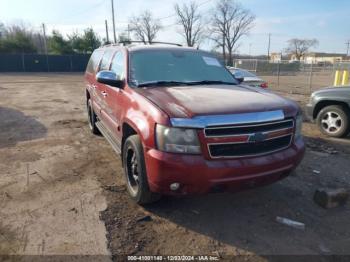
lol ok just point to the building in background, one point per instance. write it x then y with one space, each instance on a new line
321 58
275 57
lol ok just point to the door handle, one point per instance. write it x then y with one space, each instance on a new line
104 94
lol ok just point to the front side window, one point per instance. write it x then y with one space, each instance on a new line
94 60
176 66
106 59
118 65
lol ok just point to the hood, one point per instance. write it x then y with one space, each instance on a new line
190 101
344 90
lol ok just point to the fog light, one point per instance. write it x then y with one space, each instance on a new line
174 186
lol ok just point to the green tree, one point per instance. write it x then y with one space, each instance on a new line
91 41
2 30
85 43
58 45
77 43
16 39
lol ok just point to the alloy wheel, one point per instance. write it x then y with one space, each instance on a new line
331 122
132 169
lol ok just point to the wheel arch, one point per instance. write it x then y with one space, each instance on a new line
128 129
323 103
87 94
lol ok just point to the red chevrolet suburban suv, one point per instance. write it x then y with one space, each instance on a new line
184 125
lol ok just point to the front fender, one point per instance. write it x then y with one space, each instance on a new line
143 116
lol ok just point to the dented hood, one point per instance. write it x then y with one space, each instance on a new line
190 101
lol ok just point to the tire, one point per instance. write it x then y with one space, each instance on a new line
92 118
135 172
333 121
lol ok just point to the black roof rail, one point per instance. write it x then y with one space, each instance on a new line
146 43
107 45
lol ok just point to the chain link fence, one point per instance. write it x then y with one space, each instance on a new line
43 63
293 77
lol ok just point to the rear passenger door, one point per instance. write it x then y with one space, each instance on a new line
101 88
115 96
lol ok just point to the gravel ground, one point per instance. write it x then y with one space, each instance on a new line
62 190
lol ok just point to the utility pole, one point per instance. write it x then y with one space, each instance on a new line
107 36
347 47
44 32
129 32
114 33
250 49
268 48
45 47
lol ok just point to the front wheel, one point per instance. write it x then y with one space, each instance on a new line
135 172
334 121
92 118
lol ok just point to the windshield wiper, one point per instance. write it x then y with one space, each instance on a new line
181 83
163 83
210 82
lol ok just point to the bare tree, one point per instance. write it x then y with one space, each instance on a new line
230 21
145 27
299 47
190 19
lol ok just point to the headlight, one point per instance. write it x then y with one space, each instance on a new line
298 126
177 140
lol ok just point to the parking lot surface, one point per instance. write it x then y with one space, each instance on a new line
62 190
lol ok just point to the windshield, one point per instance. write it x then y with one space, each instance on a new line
180 66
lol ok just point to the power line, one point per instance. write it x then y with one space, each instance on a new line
174 14
84 11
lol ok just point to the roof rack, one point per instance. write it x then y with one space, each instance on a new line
146 43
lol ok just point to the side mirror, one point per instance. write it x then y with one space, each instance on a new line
240 79
239 76
109 78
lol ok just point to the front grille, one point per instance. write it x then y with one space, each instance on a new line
249 149
247 129
249 139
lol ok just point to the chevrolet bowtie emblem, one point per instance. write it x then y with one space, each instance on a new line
257 137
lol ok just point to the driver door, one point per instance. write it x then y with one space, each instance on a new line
101 89
115 96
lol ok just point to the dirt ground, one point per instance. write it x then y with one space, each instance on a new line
62 190
299 83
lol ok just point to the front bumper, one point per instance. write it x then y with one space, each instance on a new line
198 175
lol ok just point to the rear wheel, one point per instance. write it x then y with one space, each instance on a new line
135 172
92 118
334 121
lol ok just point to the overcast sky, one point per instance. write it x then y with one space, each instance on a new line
326 20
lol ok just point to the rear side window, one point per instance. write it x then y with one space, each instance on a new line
94 61
106 59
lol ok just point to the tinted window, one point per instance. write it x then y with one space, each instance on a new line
106 59
118 65
176 65
94 61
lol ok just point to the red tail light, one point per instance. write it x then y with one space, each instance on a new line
264 85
